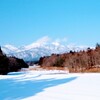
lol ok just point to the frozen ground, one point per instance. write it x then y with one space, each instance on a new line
49 85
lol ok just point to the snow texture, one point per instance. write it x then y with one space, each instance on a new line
49 85
40 48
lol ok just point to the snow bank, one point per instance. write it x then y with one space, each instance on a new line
49 85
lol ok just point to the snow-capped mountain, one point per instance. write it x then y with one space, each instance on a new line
9 49
40 48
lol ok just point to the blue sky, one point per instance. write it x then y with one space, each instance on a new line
24 21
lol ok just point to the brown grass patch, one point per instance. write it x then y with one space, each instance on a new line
89 70
55 68
71 70
93 70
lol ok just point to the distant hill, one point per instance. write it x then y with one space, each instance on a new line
10 64
81 61
34 51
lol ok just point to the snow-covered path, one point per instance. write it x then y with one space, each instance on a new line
46 85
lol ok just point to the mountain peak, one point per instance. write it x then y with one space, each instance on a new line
40 48
38 43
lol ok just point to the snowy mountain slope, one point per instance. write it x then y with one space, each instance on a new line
9 49
42 47
50 86
34 53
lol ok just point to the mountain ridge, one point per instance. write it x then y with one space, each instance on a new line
39 49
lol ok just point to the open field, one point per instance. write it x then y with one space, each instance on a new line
49 85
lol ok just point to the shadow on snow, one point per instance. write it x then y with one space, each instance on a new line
10 89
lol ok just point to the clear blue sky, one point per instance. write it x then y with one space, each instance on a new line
24 21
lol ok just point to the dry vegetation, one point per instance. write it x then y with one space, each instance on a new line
83 61
55 68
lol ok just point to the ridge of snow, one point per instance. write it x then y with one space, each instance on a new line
11 47
38 43
40 48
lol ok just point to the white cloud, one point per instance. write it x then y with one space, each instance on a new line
43 40
59 41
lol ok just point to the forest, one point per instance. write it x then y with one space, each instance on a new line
81 61
10 64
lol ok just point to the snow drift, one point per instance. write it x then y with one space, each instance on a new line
35 85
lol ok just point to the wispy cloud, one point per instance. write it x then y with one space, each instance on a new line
43 40
49 40
59 41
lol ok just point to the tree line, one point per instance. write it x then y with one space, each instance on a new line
10 64
82 61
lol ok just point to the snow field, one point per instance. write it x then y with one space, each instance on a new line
49 85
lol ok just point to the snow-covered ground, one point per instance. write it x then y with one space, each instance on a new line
49 85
